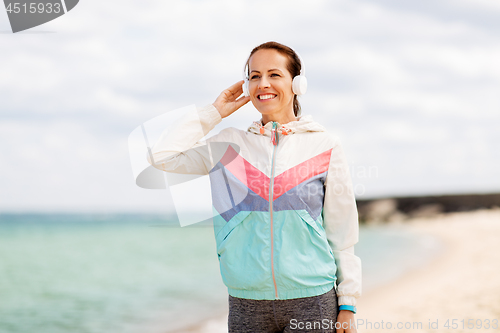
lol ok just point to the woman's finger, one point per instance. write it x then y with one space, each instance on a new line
238 86
242 101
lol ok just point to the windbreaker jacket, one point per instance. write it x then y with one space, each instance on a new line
285 217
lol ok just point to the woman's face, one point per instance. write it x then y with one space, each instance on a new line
270 83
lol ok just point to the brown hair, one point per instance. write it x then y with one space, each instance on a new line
293 66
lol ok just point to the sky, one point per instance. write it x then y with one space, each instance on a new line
410 88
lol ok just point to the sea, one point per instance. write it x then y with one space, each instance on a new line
143 273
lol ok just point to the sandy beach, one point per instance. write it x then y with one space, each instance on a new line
458 291
462 285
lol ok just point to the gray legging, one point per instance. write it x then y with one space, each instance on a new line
308 314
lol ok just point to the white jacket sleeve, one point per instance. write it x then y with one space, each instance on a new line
340 218
179 149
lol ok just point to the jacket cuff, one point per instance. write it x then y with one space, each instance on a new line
347 300
213 114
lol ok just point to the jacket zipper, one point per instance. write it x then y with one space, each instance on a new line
271 195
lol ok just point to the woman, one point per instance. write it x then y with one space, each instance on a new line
286 219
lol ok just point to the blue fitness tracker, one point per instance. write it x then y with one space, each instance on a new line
348 307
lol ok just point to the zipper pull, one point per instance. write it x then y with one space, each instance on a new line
274 134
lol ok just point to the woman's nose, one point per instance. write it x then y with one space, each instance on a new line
263 83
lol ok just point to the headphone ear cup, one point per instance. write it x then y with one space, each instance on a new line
299 85
246 91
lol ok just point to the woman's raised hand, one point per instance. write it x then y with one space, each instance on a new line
227 101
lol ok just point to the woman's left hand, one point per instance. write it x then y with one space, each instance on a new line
345 322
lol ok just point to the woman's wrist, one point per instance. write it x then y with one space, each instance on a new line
218 107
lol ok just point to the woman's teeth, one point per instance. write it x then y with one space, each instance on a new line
266 96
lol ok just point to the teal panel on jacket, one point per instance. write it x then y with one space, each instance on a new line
245 253
304 265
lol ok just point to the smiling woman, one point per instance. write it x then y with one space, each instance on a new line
286 220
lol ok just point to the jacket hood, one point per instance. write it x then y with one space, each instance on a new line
304 124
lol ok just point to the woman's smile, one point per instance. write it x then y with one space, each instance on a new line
266 97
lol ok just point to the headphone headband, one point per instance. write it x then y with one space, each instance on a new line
302 67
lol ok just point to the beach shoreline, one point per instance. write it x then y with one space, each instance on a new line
453 292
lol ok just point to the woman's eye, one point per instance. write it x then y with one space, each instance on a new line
274 74
254 77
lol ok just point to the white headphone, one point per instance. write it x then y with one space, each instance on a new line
299 83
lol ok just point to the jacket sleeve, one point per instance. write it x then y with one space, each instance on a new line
340 218
179 149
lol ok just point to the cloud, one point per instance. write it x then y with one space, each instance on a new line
403 84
